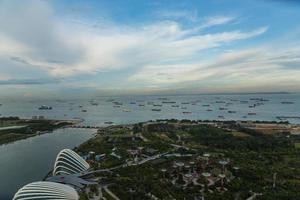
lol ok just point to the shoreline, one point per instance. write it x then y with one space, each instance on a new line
73 123
14 128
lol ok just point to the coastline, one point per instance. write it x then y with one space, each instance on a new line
10 132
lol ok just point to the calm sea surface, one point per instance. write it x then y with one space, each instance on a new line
29 160
271 107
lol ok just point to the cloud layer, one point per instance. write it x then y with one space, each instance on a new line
163 53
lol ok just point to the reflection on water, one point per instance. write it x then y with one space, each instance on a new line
31 159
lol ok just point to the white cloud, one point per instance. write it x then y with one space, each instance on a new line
217 20
178 14
162 54
244 68
64 49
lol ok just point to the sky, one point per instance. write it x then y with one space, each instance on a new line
116 47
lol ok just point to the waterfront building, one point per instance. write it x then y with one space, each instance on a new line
68 162
42 190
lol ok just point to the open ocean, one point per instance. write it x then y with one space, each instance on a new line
210 107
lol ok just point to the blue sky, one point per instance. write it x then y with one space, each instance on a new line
148 47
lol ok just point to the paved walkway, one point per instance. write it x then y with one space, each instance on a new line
110 193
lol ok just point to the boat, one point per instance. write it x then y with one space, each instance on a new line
255 99
251 113
141 104
83 110
108 122
156 109
157 105
169 102
94 104
162 98
231 111
260 103
205 105
185 102
117 103
175 106
258 99
287 102
209 110
116 106
220 102
186 112
287 117
45 107
126 110
221 116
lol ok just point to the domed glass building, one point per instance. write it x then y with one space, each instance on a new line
68 162
42 190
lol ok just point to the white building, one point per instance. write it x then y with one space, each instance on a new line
42 190
68 162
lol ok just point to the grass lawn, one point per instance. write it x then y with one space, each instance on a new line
297 145
239 134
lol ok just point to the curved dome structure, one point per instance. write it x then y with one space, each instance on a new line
42 190
68 162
